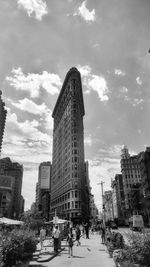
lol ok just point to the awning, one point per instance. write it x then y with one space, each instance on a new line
59 221
8 221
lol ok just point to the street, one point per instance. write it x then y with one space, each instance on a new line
91 253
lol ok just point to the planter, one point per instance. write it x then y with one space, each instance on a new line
110 252
127 264
22 264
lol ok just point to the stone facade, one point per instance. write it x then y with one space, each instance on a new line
15 170
131 175
69 189
3 113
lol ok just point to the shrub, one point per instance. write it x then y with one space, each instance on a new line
19 245
137 251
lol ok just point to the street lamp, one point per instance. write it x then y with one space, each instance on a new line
103 206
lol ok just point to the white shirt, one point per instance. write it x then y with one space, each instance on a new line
56 233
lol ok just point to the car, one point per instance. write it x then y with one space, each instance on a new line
113 225
136 229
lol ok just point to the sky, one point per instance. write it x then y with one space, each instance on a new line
108 41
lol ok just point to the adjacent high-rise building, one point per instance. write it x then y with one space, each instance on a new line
131 175
118 198
3 113
43 188
144 162
6 195
108 206
69 197
14 170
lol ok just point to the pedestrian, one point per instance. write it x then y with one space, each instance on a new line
70 243
82 229
103 234
87 230
56 235
78 234
42 236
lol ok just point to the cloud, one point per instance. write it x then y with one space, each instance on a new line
88 16
120 72
33 82
139 81
98 83
85 70
31 107
26 131
124 89
94 82
38 7
42 110
88 141
134 101
103 169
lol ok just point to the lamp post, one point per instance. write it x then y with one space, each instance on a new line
103 208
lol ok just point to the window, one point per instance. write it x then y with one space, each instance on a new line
76 204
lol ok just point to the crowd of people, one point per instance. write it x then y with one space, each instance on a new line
73 235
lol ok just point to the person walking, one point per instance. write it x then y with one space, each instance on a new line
103 234
87 230
78 234
42 236
70 243
55 235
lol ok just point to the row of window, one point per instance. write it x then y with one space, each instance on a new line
64 106
132 176
68 205
72 194
56 191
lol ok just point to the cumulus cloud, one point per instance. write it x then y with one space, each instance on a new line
42 110
134 101
139 81
124 89
119 72
88 16
94 82
88 141
23 131
99 84
33 82
37 7
85 70
31 107
101 169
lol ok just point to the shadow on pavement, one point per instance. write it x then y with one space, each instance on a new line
78 257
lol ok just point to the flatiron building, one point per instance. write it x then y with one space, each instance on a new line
3 113
69 186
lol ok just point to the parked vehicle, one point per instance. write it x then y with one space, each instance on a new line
113 225
136 223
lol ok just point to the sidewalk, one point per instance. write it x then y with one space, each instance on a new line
46 254
91 253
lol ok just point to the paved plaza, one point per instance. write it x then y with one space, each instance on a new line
91 253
